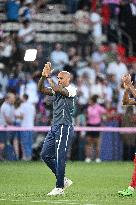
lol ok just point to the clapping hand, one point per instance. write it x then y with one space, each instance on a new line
47 70
126 80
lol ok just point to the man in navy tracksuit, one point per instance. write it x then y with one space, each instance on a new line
56 143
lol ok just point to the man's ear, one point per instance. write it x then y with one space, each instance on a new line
71 77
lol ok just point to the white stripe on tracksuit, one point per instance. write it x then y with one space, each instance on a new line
59 143
67 138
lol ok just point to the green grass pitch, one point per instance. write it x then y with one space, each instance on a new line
27 183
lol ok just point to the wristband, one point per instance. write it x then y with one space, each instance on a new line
43 76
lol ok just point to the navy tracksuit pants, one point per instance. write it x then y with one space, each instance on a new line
54 151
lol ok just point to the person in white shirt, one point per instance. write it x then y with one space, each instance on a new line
27 114
108 92
89 71
58 58
26 33
120 107
95 19
6 48
30 88
83 90
81 21
98 60
118 68
102 89
6 118
7 110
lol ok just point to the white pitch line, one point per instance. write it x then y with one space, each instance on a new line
91 204
72 202
55 202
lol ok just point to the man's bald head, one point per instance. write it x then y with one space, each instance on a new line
64 78
66 74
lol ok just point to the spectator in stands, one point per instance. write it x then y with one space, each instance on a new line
7 49
105 15
98 88
59 58
108 92
13 83
100 53
71 5
6 118
27 10
114 8
114 86
25 37
73 56
1 93
41 5
94 118
41 115
26 33
73 62
120 108
30 88
112 52
12 10
39 62
118 68
89 71
96 26
7 110
16 57
112 81
82 25
27 114
3 78
19 69
83 90
17 122
98 59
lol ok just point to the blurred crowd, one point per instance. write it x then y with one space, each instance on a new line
98 20
96 70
